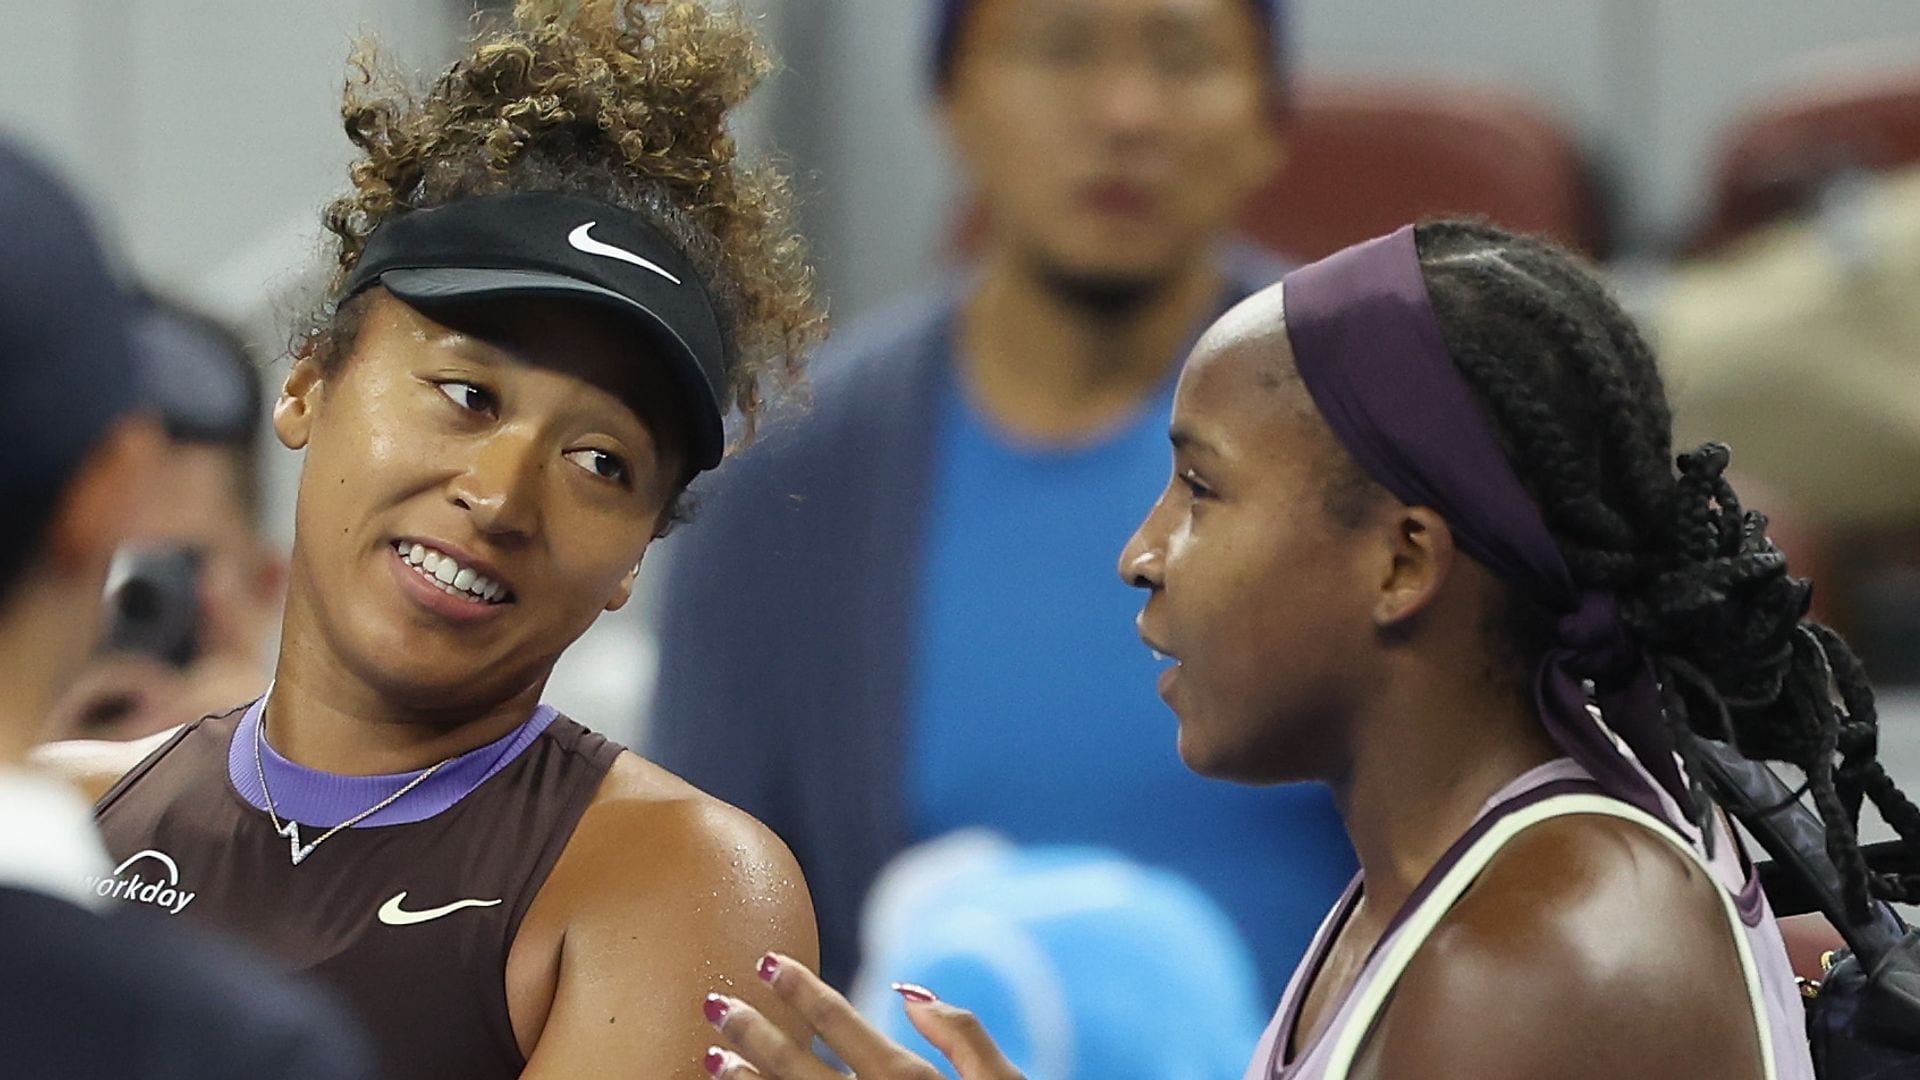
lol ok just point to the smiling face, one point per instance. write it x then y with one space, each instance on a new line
1265 599
1112 139
473 498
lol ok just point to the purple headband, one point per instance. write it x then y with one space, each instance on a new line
1369 350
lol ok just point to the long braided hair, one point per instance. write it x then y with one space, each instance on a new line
1576 399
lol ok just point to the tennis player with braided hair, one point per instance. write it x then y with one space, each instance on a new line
554 280
1424 533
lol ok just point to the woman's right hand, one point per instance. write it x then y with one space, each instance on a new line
763 1050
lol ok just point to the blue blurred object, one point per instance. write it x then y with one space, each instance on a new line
1081 963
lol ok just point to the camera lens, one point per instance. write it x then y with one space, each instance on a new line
140 601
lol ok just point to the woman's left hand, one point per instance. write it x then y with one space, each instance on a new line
764 1051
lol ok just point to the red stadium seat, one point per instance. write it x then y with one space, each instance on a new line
1775 161
1364 156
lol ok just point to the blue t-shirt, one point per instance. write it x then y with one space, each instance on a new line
1033 703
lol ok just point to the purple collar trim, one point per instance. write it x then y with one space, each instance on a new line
323 799
1369 349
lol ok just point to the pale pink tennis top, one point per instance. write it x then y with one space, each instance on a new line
1555 789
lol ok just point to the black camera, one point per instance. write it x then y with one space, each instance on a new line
153 603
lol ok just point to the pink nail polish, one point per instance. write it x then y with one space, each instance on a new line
716 1060
769 968
915 993
717 1008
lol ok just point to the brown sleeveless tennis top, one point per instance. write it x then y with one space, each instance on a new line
408 915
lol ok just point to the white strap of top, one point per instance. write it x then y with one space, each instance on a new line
1420 924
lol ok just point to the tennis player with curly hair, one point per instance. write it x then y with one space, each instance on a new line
555 279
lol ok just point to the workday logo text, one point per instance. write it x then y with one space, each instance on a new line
160 890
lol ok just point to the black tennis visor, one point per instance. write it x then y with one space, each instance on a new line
537 243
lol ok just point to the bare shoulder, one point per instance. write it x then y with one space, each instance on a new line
654 850
662 894
95 765
664 824
1589 947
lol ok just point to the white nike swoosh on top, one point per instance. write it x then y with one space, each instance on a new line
583 242
393 915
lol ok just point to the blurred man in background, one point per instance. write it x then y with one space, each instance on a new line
903 619
83 991
193 599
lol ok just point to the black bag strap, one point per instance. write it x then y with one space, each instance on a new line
1887 1009
1797 841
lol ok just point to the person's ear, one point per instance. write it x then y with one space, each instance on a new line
968 134
268 581
299 399
1420 555
624 592
1263 156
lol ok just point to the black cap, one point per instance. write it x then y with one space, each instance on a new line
547 244
198 375
67 370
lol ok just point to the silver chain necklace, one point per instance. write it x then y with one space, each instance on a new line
291 829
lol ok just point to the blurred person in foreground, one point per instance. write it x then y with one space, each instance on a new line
193 598
901 624
88 989
554 280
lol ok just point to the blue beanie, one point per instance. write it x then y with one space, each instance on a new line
946 34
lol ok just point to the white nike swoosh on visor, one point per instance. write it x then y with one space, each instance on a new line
583 242
393 915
